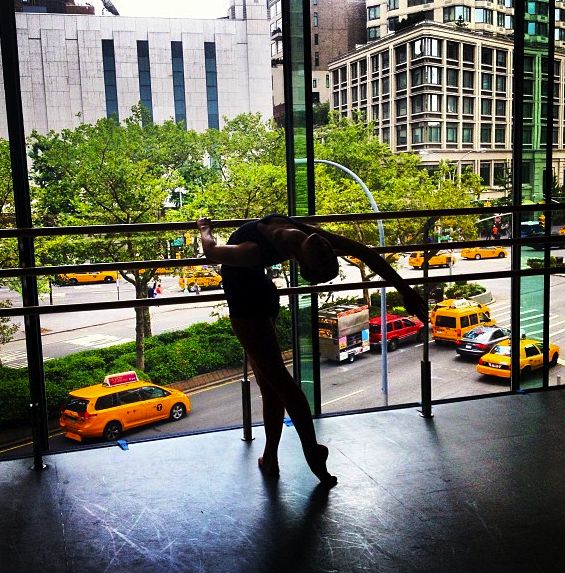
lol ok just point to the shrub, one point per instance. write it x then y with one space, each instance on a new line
462 289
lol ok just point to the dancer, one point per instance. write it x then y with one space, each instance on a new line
253 304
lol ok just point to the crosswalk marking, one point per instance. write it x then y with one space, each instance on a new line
18 359
98 341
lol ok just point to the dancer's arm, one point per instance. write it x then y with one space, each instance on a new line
243 255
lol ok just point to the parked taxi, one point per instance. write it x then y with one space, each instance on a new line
92 277
486 252
441 259
120 403
498 361
205 278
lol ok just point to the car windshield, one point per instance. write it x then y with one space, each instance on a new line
475 334
501 350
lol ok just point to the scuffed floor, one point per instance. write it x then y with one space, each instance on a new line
478 488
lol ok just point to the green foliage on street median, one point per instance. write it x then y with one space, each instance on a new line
170 357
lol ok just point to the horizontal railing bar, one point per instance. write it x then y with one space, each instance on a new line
228 223
169 301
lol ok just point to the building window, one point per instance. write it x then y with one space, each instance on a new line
501 58
374 112
363 92
386 135
486 106
353 71
500 108
385 61
392 23
486 133
426 103
426 75
401 135
386 110
509 22
501 84
457 14
452 104
374 64
327 81
468 106
386 86
484 16
373 13
500 134
110 84
452 77
452 51
401 106
315 19
354 95
401 81
484 172
536 29
316 59
486 81
178 81
486 56
316 40
210 66
335 77
375 88
336 99
467 133
343 97
469 53
499 175
373 33
426 47
393 4
401 56
144 70
314 84
363 68
451 132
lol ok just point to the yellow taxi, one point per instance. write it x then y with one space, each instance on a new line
93 277
204 278
497 362
120 403
562 230
479 253
441 259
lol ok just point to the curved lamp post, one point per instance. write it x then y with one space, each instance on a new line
374 206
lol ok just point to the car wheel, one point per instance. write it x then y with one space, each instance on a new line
112 431
177 412
501 255
108 280
73 282
554 359
393 344
477 257
526 371
351 358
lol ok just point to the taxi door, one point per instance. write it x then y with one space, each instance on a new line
131 408
156 403
533 356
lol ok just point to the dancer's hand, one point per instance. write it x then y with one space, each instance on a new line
204 224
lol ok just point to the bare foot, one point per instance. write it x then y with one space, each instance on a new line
318 467
269 469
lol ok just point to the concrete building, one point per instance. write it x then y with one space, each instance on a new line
79 68
437 78
337 27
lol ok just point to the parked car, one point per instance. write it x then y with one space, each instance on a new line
92 277
484 253
441 259
120 403
451 319
399 329
497 362
480 340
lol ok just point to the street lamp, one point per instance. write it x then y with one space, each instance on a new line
374 206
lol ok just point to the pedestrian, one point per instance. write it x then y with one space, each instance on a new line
253 304
158 289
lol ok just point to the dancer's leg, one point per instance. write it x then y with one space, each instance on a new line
258 338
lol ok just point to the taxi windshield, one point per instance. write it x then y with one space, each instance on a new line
501 350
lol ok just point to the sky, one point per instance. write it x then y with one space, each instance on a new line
167 8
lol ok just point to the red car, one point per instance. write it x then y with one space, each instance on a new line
398 329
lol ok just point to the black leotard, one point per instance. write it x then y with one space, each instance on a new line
250 293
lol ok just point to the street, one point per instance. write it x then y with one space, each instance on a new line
346 386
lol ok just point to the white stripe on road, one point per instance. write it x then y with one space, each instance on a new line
342 397
98 341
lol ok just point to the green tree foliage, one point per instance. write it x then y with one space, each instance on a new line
110 173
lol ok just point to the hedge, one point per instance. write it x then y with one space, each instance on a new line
169 357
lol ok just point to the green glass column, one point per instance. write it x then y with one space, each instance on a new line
299 140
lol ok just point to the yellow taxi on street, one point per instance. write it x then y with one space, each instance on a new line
93 277
497 362
479 253
441 259
204 278
562 230
120 403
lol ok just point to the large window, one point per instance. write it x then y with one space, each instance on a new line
430 47
110 85
144 70
484 16
211 85
178 81
457 14
426 75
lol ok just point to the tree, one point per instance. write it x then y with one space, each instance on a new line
110 173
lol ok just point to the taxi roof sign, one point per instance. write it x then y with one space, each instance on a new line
120 378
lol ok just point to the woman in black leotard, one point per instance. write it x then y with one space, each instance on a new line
253 304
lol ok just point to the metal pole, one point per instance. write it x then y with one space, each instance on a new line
425 365
374 206
246 403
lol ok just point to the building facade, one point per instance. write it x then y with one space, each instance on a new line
437 79
79 68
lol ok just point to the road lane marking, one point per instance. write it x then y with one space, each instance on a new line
342 397
98 341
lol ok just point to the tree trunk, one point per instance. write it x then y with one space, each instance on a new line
140 293
146 321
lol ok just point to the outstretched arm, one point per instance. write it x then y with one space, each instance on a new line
243 255
414 303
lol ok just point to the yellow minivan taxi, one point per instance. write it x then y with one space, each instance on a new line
452 318
498 361
205 278
120 403
93 277
489 252
441 259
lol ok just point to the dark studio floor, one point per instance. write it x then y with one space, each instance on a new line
479 488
